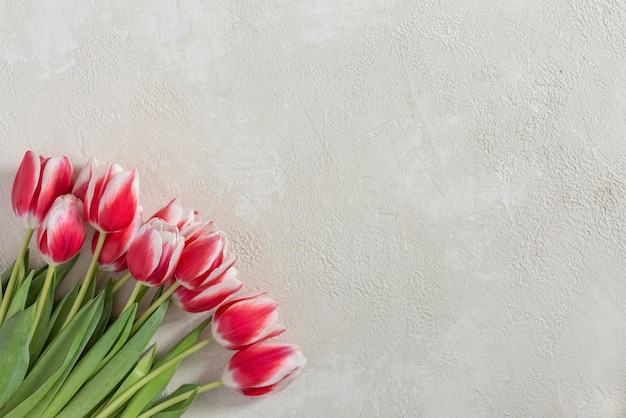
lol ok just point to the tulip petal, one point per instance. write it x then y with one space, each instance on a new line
62 231
209 298
170 213
56 180
117 206
82 181
197 259
261 366
25 183
245 321
276 387
144 253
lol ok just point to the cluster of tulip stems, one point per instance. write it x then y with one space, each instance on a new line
74 355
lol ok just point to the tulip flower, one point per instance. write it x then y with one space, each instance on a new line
263 369
82 181
209 298
204 260
116 244
154 253
37 183
62 231
246 320
173 213
111 197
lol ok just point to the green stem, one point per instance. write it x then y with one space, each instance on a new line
88 278
118 284
133 295
128 393
182 397
143 318
41 300
8 295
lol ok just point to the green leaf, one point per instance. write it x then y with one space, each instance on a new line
37 285
85 368
100 385
4 278
61 272
43 326
106 314
64 269
156 295
19 298
58 357
151 391
62 309
14 339
91 290
177 410
141 370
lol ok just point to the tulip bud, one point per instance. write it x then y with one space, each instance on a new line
209 298
116 244
195 229
244 321
204 260
38 182
154 253
82 181
62 231
262 369
173 213
111 198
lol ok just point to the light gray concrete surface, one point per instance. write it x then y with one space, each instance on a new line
433 191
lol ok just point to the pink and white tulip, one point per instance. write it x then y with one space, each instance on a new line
111 197
204 260
82 181
245 321
62 231
173 213
38 182
116 244
209 298
262 369
154 253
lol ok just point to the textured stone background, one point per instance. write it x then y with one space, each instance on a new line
434 191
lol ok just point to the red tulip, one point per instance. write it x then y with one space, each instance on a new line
37 183
173 213
194 230
204 260
116 244
154 253
246 320
263 369
111 198
82 181
62 231
209 298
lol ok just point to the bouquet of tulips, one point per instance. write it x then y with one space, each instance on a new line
73 355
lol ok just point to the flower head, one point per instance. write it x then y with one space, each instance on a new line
246 320
62 231
173 213
209 298
154 253
205 258
37 183
111 197
82 181
262 369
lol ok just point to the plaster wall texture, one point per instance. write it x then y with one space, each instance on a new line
433 191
